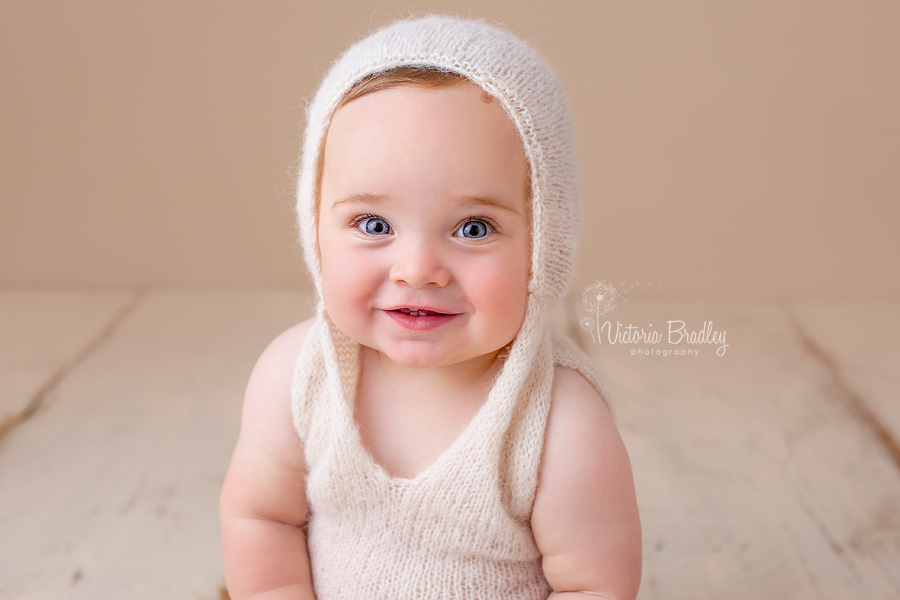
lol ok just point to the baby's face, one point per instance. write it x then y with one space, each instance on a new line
424 224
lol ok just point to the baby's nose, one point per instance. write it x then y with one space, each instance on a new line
419 264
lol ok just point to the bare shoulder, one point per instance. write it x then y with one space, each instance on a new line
585 519
266 415
582 448
573 400
268 464
275 368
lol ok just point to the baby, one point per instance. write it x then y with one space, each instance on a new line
427 435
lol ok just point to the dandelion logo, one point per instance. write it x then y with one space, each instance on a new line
600 298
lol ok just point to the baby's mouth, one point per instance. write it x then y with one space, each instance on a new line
418 312
420 319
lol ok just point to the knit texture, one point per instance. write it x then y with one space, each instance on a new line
460 529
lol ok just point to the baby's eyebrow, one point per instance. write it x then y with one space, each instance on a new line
485 201
467 201
359 199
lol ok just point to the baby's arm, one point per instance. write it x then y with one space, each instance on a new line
263 502
585 519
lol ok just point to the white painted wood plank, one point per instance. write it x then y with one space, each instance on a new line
863 340
40 331
112 491
755 477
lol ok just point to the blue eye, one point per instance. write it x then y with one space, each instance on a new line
474 229
374 226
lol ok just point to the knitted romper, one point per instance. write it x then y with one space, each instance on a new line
460 528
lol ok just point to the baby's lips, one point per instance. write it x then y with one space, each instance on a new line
419 310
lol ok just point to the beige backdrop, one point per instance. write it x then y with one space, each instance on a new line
728 150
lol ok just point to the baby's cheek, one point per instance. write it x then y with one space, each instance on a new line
505 291
342 282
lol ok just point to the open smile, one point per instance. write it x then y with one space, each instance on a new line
419 312
419 319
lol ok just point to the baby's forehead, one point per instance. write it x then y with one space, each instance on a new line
444 141
422 77
456 105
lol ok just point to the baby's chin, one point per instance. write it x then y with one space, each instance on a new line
420 357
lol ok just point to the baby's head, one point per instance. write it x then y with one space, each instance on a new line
450 128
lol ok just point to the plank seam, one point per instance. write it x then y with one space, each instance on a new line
53 382
854 400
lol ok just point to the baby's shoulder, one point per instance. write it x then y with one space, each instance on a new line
288 343
266 421
580 428
268 459
574 396
274 371
281 354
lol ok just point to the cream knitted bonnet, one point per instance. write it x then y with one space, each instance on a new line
523 84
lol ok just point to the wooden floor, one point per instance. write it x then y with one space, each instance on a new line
770 472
